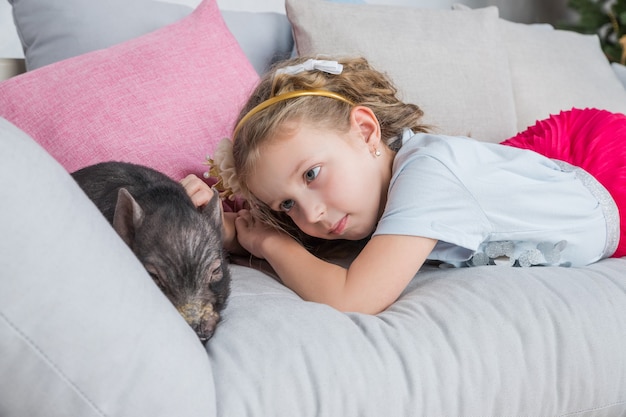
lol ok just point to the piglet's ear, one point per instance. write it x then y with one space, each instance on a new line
128 216
212 209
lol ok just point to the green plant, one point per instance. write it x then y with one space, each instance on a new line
607 19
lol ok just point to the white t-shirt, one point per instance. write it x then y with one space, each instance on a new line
486 201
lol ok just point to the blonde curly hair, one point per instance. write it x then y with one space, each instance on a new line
359 83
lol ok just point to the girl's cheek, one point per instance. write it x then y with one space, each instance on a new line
296 219
300 222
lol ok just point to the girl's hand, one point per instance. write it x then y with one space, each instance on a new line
373 281
229 234
201 194
197 189
254 235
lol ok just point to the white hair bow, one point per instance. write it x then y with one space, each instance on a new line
331 67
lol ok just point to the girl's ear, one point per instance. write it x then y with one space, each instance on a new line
364 121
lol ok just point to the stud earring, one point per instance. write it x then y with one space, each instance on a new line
377 152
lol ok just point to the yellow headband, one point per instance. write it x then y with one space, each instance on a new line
286 96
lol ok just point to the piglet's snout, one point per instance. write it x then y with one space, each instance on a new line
202 318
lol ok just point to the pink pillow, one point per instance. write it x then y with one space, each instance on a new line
164 99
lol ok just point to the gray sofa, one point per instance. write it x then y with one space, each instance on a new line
85 332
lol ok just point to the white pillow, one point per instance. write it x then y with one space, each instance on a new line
10 67
450 63
553 70
620 72
83 329
10 46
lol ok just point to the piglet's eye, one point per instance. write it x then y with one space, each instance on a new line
311 174
156 277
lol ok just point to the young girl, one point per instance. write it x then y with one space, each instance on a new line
328 147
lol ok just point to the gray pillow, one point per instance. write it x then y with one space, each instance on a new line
620 72
481 342
52 30
83 329
264 37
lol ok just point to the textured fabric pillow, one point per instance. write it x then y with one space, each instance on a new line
450 63
554 70
163 99
265 37
10 67
620 72
83 329
481 342
52 30
10 46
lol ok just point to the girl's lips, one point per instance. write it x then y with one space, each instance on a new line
340 226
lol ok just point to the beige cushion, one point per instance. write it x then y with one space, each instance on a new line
553 70
10 67
450 63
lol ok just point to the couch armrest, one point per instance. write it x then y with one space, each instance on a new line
10 67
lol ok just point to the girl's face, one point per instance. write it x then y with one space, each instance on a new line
331 184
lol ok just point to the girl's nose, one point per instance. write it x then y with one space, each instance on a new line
313 211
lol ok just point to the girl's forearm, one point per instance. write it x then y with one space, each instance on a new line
310 277
374 280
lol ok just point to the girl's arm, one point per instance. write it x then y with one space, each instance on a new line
374 280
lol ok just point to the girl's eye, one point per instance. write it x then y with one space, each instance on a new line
311 174
287 205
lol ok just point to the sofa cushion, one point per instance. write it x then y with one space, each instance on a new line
163 99
265 37
10 46
84 331
620 72
459 342
554 70
52 30
450 63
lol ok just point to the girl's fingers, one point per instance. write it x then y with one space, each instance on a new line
199 191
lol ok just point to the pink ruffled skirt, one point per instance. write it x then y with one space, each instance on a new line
592 139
